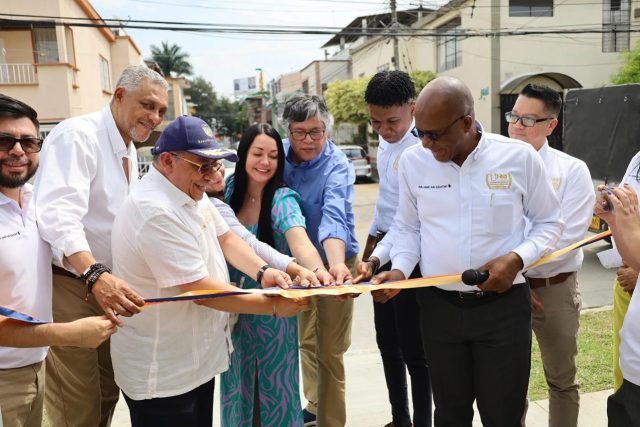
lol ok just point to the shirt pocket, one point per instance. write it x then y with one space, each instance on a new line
502 212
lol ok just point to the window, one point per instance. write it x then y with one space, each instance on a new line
520 8
46 45
105 75
448 45
616 15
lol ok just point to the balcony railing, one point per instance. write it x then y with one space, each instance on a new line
18 74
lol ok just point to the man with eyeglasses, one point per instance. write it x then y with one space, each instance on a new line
88 167
25 275
324 178
466 196
390 98
168 238
554 286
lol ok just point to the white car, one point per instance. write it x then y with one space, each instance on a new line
360 160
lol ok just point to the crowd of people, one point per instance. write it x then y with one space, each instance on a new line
84 247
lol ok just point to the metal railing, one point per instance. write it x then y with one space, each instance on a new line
18 74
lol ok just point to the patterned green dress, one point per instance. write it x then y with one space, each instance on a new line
265 348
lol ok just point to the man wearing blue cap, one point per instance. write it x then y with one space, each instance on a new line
167 239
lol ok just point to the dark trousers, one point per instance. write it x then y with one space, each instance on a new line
399 339
477 349
623 407
191 409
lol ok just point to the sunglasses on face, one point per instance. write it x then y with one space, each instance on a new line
434 136
28 144
203 168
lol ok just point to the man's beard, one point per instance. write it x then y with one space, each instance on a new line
16 180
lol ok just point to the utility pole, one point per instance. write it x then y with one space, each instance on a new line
395 26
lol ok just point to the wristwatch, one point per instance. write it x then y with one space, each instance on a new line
260 273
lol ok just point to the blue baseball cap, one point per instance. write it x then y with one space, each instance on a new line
192 134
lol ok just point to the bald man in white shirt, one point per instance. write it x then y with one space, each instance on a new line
465 198
88 167
554 286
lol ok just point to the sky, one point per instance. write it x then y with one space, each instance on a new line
220 58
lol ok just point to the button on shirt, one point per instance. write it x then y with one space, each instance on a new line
81 185
453 218
388 163
25 272
571 180
325 185
162 238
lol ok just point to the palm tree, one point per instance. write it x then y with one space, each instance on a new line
171 59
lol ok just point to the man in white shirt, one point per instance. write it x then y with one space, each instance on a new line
465 198
25 275
88 167
390 98
554 285
168 238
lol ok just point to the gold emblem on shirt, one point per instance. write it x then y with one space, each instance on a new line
556 181
498 181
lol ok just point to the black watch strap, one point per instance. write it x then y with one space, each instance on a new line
261 273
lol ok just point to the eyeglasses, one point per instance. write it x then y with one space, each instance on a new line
204 168
301 134
527 122
434 136
28 144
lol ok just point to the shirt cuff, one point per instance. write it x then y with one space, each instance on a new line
333 232
382 253
404 264
67 246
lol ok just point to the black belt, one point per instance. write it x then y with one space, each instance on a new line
62 272
380 235
466 295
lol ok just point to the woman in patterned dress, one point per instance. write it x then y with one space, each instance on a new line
261 387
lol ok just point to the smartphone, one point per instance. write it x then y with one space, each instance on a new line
606 203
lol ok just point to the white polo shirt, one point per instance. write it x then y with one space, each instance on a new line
81 185
162 238
25 272
453 218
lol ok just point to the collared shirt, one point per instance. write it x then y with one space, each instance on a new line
387 203
454 217
161 239
264 251
325 185
25 272
571 180
81 185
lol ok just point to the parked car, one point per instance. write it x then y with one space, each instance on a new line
360 160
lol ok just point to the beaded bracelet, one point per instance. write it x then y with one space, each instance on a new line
90 277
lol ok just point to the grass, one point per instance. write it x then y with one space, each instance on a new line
595 353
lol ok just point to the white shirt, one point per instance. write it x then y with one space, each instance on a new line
571 180
161 239
25 272
453 218
388 193
264 251
630 331
81 185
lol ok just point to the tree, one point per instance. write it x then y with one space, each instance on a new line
421 78
171 59
629 71
204 98
225 116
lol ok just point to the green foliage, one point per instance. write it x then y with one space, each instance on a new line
345 98
172 60
421 78
225 116
629 71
